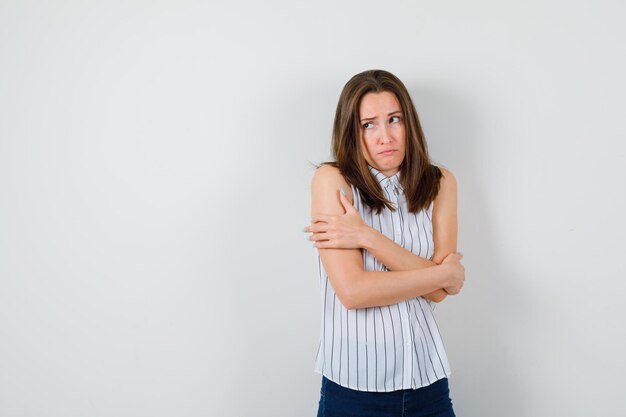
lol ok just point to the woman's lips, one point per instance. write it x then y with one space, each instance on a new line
389 152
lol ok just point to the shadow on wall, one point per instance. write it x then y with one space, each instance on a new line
482 324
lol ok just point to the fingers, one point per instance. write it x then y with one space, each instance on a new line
317 228
320 245
322 218
318 223
323 244
451 290
454 290
320 236
451 257
345 202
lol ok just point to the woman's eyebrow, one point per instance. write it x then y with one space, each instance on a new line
372 118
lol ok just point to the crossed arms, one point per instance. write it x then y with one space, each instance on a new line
339 234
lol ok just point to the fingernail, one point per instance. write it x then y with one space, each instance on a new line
460 253
343 192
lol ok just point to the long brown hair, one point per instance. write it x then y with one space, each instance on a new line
418 176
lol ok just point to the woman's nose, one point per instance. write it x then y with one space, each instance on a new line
384 134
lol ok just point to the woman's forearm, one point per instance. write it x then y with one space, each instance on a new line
392 255
377 288
397 258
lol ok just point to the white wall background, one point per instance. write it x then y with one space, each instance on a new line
154 180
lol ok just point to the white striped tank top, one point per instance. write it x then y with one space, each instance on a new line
384 348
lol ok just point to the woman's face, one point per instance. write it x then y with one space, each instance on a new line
382 132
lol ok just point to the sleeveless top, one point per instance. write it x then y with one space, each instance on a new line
391 347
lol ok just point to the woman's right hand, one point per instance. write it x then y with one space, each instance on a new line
455 272
339 231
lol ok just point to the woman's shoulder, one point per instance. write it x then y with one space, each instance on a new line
447 189
329 174
447 177
327 180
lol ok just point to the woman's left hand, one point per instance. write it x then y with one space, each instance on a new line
338 231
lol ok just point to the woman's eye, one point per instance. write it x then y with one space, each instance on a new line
394 119
368 125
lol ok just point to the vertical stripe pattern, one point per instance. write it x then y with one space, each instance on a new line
383 348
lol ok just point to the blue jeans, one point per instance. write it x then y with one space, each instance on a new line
432 401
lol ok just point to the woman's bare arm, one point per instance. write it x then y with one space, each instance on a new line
356 233
357 288
445 223
444 220
397 258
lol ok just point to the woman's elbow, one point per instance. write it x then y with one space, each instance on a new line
350 295
349 299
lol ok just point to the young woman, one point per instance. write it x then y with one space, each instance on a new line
384 222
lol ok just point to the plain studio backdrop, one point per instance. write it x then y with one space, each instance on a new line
155 168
